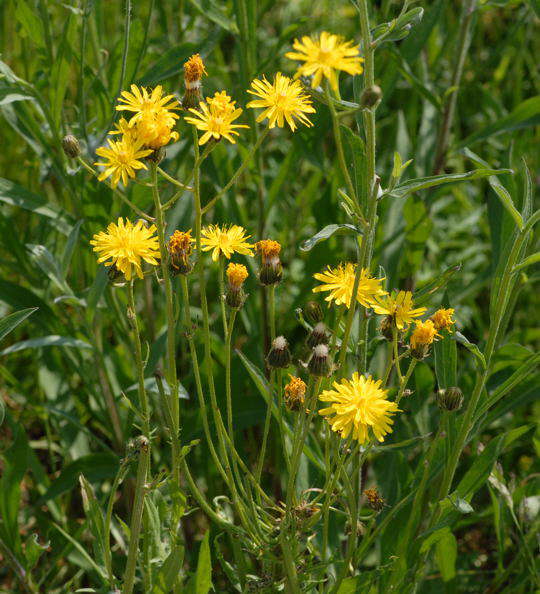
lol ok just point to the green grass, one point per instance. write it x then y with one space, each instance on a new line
460 488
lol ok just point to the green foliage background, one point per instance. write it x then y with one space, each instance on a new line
63 65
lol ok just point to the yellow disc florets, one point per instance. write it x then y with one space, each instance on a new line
424 334
236 275
295 391
268 248
442 319
194 69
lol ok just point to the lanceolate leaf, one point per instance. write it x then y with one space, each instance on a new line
10 322
422 183
325 233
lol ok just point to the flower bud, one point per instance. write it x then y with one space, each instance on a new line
279 355
193 72
295 391
422 338
271 270
387 327
236 275
371 96
71 146
450 399
319 362
318 335
313 312
180 249
374 500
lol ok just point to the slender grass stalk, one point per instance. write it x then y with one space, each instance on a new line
144 455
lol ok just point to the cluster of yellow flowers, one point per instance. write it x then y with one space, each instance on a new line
148 129
358 407
283 100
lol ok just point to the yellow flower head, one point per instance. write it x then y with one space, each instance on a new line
123 127
154 128
216 118
399 306
268 249
424 334
284 99
295 392
194 69
340 283
180 242
442 319
324 56
126 245
121 159
358 405
236 275
226 241
141 103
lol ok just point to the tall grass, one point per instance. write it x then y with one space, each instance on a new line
148 440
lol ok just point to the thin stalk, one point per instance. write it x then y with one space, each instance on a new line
221 295
237 173
272 306
228 390
170 373
144 457
339 147
266 429
466 21
405 379
116 191
108 518
396 354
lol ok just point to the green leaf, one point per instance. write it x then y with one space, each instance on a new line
50 266
446 555
422 296
70 247
169 571
15 195
445 353
10 322
327 232
95 467
526 114
30 22
215 12
421 183
95 518
528 261
471 347
203 576
46 341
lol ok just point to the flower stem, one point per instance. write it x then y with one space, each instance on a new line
237 173
405 380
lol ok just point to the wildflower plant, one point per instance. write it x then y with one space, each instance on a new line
263 329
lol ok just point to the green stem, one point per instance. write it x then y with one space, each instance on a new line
228 389
116 191
396 354
136 520
171 328
272 306
266 429
221 295
237 173
405 380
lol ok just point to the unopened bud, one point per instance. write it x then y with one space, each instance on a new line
71 146
313 312
371 96
450 399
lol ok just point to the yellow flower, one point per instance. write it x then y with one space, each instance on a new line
194 69
442 319
154 128
141 102
180 249
340 282
216 118
226 241
121 159
423 335
324 55
268 249
283 99
123 127
399 306
126 245
358 405
236 275
295 392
